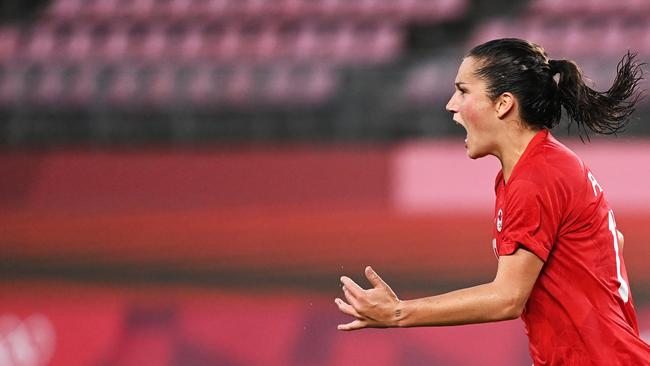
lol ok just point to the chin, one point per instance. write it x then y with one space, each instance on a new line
474 154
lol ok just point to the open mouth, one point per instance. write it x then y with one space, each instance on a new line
466 136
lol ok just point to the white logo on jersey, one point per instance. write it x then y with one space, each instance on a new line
594 184
499 220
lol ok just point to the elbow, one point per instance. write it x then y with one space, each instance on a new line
513 307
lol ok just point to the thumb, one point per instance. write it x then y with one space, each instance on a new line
374 278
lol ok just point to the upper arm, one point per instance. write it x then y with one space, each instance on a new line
516 276
530 219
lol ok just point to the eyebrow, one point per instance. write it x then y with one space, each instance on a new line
459 83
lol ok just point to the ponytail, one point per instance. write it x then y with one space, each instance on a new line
603 113
524 69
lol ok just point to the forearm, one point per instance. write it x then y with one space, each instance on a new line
479 304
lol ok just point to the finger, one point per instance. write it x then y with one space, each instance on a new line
350 297
621 240
352 286
354 325
374 278
346 308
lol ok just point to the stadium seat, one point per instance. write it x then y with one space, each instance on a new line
79 45
123 86
82 85
40 43
8 43
11 85
66 9
48 86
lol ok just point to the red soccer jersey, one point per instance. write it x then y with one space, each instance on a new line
580 311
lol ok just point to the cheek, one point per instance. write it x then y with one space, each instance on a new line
474 114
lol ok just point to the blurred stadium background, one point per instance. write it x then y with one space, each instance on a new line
184 181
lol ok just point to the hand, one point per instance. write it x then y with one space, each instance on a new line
377 307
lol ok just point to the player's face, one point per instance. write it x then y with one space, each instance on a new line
474 110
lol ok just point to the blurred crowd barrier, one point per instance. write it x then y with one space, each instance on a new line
413 208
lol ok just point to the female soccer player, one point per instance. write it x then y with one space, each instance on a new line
560 262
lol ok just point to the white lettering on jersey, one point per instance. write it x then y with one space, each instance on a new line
594 184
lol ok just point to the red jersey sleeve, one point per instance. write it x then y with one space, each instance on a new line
528 220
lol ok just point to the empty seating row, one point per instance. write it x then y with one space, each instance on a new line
409 10
131 85
589 37
337 42
563 8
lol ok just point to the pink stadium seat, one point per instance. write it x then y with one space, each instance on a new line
137 35
40 43
172 9
79 45
325 8
267 43
115 45
200 86
551 35
250 34
306 43
100 9
379 43
278 87
161 86
238 88
344 43
496 28
256 8
319 86
422 84
187 45
82 86
292 9
586 37
64 8
227 43
631 34
558 7
8 43
156 45
432 10
123 88
212 9
49 88
297 84
135 9
11 85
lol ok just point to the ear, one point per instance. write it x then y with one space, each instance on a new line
504 104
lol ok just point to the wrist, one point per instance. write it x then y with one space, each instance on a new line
399 314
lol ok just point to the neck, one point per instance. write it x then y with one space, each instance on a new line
512 148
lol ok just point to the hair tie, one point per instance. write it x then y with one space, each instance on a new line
554 66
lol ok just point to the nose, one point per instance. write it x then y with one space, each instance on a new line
451 104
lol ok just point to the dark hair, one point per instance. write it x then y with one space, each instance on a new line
524 69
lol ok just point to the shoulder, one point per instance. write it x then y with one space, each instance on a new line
552 163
